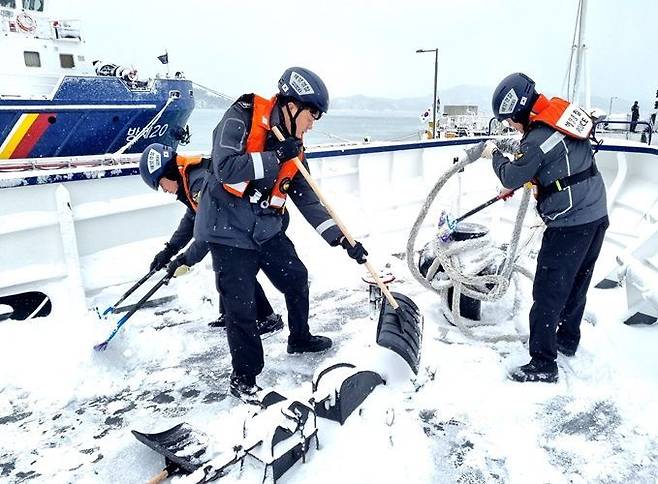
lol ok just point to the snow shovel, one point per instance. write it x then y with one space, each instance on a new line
448 225
165 280
114 306
183 448
339 389
400 327
26 305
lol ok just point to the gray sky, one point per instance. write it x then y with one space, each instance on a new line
368 47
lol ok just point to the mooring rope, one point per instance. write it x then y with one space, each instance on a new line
483 287
146 130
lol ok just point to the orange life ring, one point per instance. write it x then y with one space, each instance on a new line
26 23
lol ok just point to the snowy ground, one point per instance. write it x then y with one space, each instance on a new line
66 411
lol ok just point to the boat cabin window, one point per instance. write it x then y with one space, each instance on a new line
8 3
66 61
32 59
36 5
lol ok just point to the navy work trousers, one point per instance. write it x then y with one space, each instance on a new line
237 270
564 270
263 306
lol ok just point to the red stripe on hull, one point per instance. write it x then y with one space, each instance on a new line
32 136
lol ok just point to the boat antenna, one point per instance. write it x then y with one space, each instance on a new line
577 74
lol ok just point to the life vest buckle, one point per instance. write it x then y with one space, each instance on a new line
256 196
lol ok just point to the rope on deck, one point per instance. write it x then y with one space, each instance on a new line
483 287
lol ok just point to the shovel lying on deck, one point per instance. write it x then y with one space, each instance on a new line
400 326
183 448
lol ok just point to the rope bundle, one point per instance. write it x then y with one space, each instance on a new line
476 282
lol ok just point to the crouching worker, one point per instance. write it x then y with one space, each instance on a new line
160 166
557 154
241 216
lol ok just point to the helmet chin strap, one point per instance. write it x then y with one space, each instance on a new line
293 119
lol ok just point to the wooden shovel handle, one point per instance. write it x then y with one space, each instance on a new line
339 222
159 478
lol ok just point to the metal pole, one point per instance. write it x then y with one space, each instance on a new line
436 71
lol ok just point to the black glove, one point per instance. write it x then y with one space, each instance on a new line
358 252
288 148
175 264
161 258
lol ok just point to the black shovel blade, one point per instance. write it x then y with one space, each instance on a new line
640 318
607 284
181 445
27 305
281 465
401 329
347 398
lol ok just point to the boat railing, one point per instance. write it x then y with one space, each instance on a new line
68 204
66 162
645 136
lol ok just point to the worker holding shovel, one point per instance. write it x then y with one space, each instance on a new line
161 167
556 153
241 214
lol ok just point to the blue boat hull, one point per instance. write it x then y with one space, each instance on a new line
94 115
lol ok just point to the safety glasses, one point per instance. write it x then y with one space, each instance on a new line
316 113
313 111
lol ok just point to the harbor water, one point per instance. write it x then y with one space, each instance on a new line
332 128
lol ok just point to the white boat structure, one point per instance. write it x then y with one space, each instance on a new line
78 230
97 235
57 100
83 210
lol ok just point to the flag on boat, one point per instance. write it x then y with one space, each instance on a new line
164 58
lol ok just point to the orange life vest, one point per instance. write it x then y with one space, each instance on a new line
260 128
184 163
565 117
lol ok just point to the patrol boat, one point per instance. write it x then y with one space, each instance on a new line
55 101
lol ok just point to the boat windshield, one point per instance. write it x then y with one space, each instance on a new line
36 5
8 3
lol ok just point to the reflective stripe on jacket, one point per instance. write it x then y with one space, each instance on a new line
260 128
226 219
549 154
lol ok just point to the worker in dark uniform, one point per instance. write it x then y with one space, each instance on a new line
635 115
556 155
160 166
241 216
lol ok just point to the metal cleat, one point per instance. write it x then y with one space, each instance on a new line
375 293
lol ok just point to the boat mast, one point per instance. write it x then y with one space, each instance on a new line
578 73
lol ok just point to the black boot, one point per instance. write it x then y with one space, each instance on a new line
534 371
312 344
270 324
565 350
220 322
244 387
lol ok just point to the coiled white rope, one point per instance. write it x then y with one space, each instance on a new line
483 287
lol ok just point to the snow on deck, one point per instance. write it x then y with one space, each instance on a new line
66 411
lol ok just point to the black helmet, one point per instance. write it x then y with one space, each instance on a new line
154 163
514 97
304 86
